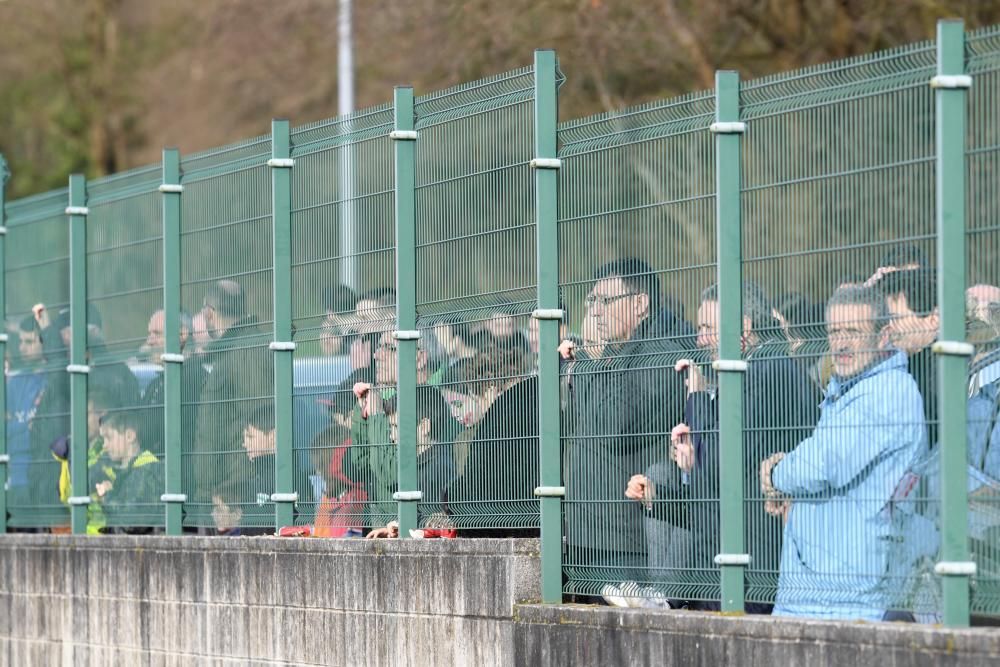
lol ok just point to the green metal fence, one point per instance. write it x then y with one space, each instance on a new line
616 333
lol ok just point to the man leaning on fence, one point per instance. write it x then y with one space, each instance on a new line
622 406
834 488
242 370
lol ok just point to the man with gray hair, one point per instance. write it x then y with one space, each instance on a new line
833 489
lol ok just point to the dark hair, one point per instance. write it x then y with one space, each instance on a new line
637 275
227 298
339 299
756 306
383 296
917 285
261 419
124 420
27 324
905 254
862 296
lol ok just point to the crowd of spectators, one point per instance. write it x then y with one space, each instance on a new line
839 412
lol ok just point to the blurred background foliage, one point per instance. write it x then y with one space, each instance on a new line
102 85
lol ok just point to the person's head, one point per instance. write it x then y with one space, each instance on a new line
200 337
980 298
258 433
373 312
904 257
625 293
224 305
100 400
30 340
856 319
387 359
122 435
155 340
339 304
799 318
910 297
502 323
759 323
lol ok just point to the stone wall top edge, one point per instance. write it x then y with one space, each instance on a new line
465 547
974 640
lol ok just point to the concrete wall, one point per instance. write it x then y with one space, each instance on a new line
121 600
233 601
578 635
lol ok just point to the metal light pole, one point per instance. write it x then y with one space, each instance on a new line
345 105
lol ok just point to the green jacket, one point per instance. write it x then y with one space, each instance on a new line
134 499
372 459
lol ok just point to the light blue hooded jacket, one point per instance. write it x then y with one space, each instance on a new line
834 559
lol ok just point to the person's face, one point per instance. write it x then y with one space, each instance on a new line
370 316
30 346
211 319
331 340
118 444
94 417
66 334
154 332
200 332
257 442
982 296
386 360
910 332
708 329
501 325
465 408
617 312
855 340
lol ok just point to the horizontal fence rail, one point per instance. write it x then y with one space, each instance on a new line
736 350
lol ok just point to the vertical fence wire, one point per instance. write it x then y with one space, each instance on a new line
983 315
124 340
343 329
637 246
838 194
226 274
38 386
477 462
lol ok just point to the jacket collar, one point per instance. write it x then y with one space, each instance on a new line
839 387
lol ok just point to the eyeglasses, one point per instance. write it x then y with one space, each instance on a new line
604 300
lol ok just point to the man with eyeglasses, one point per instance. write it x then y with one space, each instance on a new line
622 405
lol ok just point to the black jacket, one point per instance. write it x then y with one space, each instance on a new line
621 409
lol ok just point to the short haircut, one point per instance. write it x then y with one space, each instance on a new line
261 419
917 285
339 299
227 298
383 296
125 420
28 324
905 254
862 296
637 275
756 306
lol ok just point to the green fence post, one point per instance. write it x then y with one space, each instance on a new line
951 84
284 496
78 368
172 357
408 494
4 457
727 129
546 165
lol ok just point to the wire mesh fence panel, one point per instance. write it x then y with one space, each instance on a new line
637 244
343 309
477 417
983 316
37 383
226 280
838 245
124 341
